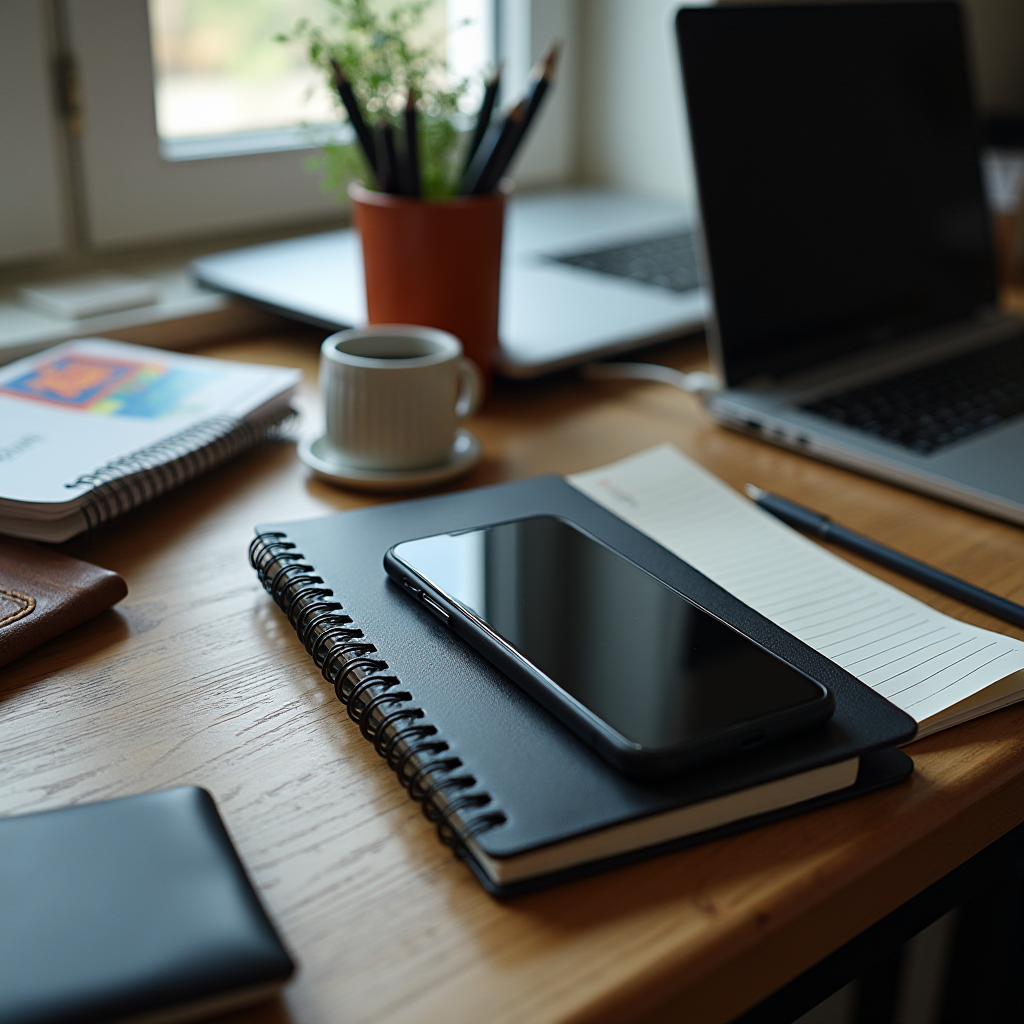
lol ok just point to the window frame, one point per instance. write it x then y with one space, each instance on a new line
131 194
34 213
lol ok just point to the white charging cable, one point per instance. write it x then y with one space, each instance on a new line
696 382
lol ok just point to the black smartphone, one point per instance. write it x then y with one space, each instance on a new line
640 672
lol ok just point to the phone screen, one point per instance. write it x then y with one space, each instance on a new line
641 657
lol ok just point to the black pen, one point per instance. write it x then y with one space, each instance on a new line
823 527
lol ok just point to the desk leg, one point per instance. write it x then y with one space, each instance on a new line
986 980
878 990
985 983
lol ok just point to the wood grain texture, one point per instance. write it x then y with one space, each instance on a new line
197 678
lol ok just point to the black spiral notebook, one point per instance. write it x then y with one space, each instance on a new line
520 798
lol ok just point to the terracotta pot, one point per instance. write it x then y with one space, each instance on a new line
436 264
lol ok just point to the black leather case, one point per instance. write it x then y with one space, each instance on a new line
127 908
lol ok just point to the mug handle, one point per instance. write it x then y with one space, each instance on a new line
471 389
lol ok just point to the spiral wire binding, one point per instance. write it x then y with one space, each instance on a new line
134 479
375 700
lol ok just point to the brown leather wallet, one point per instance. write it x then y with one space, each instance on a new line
44 593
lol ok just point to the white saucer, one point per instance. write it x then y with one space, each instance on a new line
325 462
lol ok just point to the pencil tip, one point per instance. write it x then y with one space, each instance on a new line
550 59
545 65
754 493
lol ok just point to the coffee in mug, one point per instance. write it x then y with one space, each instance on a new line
394 395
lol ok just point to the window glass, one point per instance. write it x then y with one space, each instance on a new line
218 70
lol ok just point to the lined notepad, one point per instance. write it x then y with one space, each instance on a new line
937 669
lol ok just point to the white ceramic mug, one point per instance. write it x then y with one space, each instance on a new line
394 395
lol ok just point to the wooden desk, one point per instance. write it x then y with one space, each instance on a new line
197 678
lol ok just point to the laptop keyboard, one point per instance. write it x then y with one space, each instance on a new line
668 262
929 408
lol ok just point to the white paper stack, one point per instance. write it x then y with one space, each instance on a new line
937 669
93 428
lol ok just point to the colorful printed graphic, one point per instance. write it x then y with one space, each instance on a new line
110 387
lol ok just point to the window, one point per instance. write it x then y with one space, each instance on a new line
179 136
174 136
218 71
223 85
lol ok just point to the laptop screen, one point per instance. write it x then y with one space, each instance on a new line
836 153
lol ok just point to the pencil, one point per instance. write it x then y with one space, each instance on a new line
412 150
483 117
493 152
541 77
823 527
385 148
355 117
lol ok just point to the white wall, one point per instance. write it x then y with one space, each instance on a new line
633 121
631 131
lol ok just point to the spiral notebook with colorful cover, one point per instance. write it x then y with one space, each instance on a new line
95 427
517 795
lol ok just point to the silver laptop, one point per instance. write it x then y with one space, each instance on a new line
584 274
855 313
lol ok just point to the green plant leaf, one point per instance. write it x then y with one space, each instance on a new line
384 51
